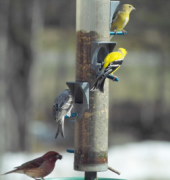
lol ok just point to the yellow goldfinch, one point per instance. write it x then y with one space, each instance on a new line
112 62
121 18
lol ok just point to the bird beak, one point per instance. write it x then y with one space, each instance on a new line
133 8
59 156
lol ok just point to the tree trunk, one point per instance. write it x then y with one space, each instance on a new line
18 65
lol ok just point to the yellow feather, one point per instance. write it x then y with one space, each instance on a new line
112 57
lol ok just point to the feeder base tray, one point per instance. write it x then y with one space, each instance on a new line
79 178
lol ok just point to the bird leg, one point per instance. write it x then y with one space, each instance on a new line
114 78
124 32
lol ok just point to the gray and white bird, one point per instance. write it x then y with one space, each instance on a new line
63 105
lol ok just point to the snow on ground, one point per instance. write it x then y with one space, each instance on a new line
135 161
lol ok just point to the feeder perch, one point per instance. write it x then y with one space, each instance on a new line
113 78
80 92
70 150
79 178
73 115
99 51
118 33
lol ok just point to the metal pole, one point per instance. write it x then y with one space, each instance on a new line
90 175
91 132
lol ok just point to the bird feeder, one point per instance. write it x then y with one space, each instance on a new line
91 123
91 131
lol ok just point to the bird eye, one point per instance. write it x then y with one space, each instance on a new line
129 6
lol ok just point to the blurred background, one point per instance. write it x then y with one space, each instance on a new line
37 57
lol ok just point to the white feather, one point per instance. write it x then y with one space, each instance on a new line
126 20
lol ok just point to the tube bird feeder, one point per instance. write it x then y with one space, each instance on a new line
91 107
91 130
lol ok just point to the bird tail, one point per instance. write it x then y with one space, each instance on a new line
101 84
96 84
60 128
13 171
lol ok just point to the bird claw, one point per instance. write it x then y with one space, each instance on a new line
124 32
114 78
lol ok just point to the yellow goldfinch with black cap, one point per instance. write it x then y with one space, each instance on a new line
112 62
121 18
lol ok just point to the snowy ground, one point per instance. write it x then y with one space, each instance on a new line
138 161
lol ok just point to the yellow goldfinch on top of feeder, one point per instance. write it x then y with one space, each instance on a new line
121 18
112 62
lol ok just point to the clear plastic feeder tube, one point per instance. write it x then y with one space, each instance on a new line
91 132
94 15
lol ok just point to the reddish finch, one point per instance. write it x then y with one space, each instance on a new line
40 167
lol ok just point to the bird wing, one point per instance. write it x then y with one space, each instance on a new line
36 163
119 20
115 16
115 65
66 106
119 10
114 23
111 58
63 103
67 103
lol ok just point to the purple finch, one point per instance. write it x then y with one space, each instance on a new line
39 167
